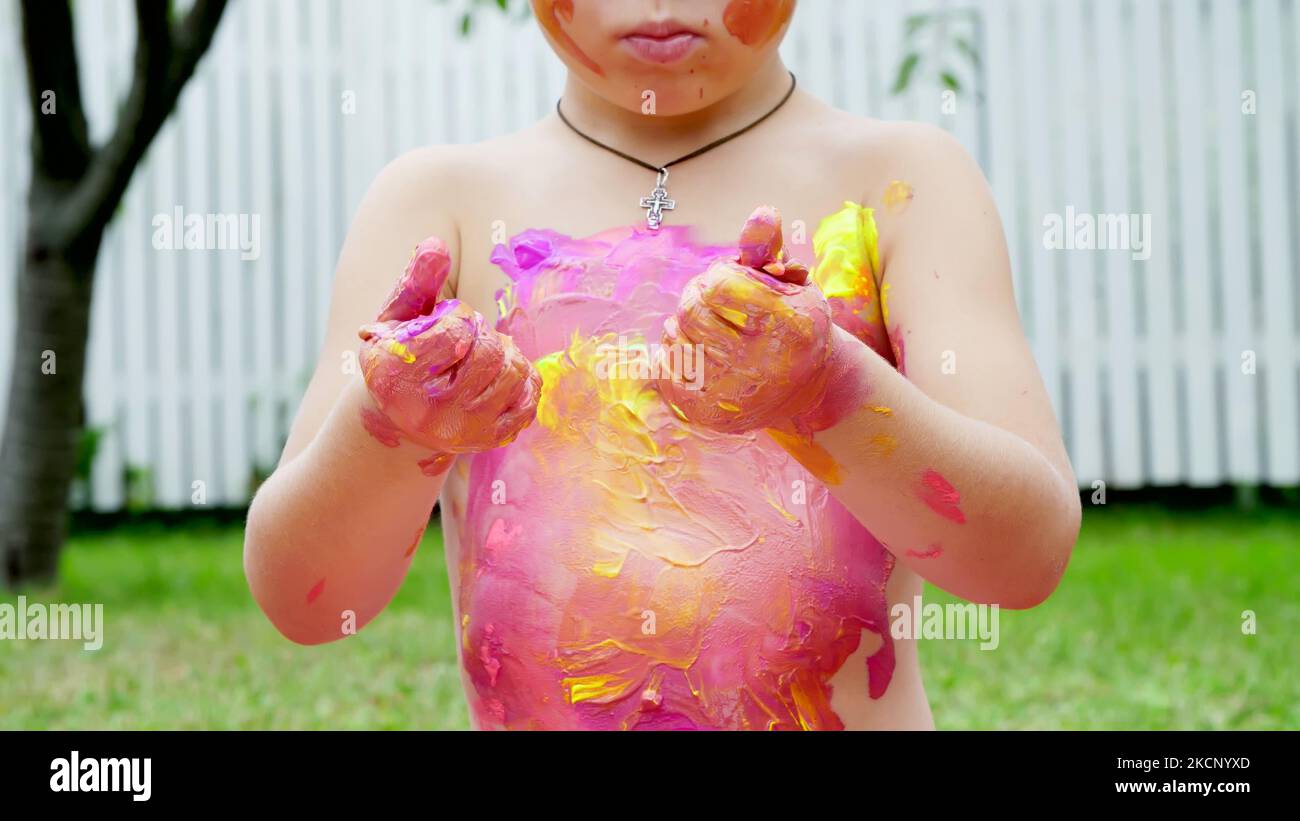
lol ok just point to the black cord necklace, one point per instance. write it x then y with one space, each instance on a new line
658 201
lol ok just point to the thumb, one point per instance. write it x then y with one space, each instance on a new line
762 246
416 293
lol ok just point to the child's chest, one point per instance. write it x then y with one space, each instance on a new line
712 200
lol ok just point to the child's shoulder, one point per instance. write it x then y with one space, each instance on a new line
893 149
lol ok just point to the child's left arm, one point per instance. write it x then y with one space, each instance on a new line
954 460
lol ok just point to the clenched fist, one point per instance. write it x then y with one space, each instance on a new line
766 333
439 374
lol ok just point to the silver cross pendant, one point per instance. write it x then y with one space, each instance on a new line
658 202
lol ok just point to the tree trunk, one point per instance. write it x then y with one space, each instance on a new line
44 418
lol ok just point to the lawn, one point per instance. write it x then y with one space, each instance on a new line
1145 632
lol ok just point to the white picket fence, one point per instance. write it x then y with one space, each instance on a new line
198 359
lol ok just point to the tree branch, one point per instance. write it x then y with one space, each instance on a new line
60 141
165 58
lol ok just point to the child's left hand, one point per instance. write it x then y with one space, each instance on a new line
766 331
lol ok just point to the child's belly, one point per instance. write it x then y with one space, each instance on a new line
633 573
618 568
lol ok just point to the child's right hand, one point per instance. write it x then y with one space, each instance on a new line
439 374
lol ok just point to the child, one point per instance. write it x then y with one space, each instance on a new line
684 475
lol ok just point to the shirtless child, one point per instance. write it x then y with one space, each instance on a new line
629 548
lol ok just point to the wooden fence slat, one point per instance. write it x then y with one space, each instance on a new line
1005 156
1277 220
291 261
1163 411
198 270
1074 107
166 269
233 197
1124 454
1191 75
326 130
266 327
1039 170
1236 251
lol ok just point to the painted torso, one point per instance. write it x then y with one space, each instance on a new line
618 568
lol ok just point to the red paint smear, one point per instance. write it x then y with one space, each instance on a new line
380 427
314 593
941 496
754 22
419 534
550 20
934 552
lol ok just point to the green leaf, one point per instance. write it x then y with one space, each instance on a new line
905 72
964 46
87 448
950 80
466 23
915 23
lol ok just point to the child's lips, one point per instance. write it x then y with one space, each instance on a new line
663 49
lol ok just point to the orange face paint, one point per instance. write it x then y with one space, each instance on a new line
550 13
410 551
755 22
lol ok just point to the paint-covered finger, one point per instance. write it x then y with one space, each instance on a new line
416 293
760 238
440 340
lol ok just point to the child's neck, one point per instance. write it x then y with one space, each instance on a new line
660 138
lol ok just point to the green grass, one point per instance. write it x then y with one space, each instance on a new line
1145 632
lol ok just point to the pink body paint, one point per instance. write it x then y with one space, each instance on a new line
647 572
941 497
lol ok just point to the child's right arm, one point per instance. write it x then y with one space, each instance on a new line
331 533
